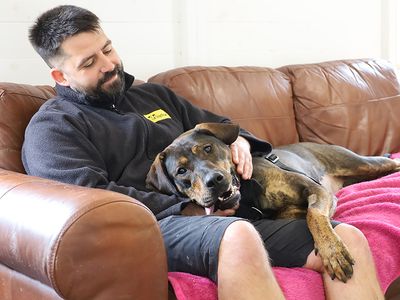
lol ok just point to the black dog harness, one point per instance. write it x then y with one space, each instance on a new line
275 160
250 190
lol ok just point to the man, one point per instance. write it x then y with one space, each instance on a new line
97 132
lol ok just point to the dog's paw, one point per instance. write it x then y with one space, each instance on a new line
336 259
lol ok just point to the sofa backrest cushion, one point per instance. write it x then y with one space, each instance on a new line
352 103
18 103
259 99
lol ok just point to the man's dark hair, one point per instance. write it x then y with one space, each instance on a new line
56 25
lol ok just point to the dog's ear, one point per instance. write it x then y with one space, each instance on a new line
157 179
225 132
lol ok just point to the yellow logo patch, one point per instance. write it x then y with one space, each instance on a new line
157 115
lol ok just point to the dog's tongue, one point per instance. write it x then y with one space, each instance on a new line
209 210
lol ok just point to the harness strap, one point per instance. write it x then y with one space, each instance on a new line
276 161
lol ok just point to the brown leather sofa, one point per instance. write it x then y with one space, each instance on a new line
353 103
62 241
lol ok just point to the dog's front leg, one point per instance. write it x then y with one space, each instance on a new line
335 256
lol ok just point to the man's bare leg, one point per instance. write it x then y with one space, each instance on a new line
364 284
243 268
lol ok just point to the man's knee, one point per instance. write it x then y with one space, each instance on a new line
242 238
240 231
352 237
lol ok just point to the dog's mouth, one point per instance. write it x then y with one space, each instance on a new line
228 194
228 199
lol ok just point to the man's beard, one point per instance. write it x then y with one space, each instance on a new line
101 97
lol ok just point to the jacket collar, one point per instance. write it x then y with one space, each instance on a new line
67 93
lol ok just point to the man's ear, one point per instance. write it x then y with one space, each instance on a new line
59 77
226 132
157 179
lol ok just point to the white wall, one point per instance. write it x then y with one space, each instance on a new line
152 36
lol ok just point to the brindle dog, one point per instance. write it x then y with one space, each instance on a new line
198 165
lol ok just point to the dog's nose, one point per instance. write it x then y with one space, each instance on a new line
214 179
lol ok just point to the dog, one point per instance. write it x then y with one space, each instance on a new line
293 181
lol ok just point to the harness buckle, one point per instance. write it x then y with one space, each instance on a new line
272 158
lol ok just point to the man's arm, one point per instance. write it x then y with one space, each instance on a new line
57 147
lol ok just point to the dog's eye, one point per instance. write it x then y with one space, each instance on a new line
181 171
207 149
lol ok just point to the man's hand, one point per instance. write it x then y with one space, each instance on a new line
241 157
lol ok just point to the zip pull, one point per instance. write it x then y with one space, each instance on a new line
114 108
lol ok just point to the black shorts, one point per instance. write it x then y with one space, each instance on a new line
192 243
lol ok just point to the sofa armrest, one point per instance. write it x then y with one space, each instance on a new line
84 243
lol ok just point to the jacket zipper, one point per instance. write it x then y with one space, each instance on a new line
114 108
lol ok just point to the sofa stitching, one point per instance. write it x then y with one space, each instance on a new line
223 69
21 94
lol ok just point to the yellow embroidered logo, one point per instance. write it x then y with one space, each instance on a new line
157 115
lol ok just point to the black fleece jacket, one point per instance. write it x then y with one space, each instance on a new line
112 148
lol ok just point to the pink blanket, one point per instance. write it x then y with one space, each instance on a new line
373 207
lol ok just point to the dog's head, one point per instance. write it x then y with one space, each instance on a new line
198 165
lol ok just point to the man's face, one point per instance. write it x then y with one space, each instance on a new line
90 65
